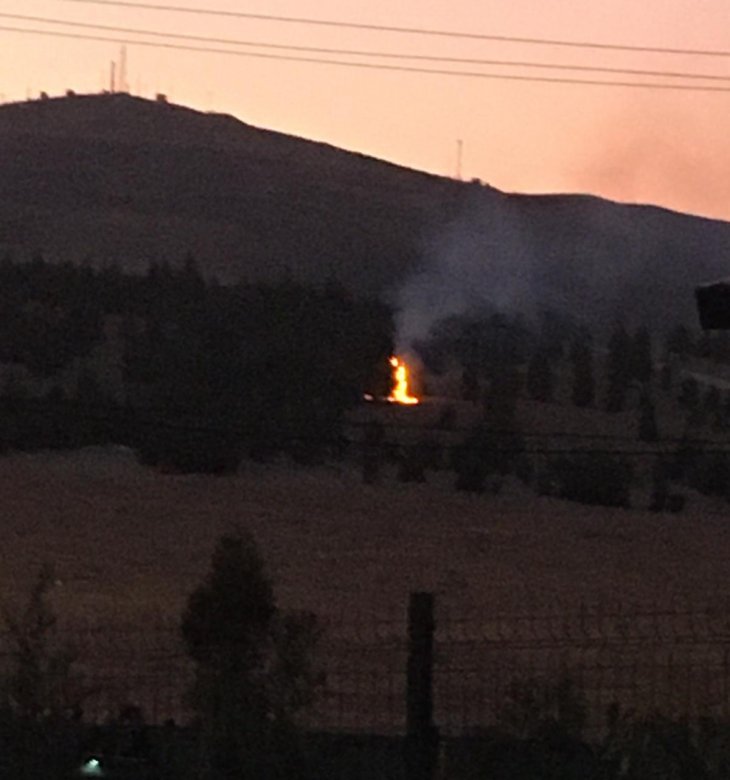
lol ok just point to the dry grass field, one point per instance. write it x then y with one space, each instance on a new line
128 543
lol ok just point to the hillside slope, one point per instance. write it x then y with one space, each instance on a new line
114 178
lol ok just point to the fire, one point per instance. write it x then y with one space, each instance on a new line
400 394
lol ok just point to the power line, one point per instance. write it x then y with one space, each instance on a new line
369 53
403 30
369 65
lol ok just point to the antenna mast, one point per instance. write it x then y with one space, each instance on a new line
123 70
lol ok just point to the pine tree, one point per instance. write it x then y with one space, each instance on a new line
642 366
500 400
689 394
469 385
583 381
712 399
618 369
540 377
648 429
666 375
679 341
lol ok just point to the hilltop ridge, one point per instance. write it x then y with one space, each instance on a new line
113 178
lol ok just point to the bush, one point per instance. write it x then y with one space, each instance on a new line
709 473
484 453
471 470
189 450
591 478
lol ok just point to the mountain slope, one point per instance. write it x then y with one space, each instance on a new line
114 178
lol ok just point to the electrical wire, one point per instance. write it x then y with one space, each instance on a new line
369 53
370 65
402 30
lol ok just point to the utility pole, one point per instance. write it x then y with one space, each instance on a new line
422 737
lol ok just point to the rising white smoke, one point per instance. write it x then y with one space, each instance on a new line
483 259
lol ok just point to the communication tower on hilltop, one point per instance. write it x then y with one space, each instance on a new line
118 76
123 86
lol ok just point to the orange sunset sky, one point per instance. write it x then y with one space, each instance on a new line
637 145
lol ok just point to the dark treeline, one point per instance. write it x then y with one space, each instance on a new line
210 373
646 378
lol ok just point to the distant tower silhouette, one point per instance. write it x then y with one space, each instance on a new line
459 154
123 87
112 77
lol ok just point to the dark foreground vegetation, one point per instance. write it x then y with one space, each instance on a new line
255 674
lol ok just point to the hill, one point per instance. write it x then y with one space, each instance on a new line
114 178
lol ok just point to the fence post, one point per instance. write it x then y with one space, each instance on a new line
422 739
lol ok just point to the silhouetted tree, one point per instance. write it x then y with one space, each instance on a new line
412 464
555 332
41 664
253 668
583 382
679 341
703 345
648 430
591 478
540 377
666 375
711 400
38 689
640 356
618 369
469 385
689 394
501 397
372 453
470 466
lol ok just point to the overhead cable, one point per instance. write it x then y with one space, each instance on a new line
369 53
403 30
370 65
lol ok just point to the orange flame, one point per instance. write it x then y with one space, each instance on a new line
400 394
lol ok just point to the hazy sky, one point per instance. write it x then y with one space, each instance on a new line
636 145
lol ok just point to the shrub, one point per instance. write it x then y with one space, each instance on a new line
415 460
189 450
591 478
709 473
485 452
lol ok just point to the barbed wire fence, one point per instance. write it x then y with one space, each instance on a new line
648 659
